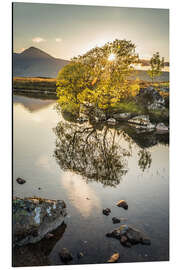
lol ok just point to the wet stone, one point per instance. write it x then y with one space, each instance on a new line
65 255
115 220
129 236
146 241
20 181
114 258
106 211
123 204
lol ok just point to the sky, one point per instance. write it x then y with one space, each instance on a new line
65 31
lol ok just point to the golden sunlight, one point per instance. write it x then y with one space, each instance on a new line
112 57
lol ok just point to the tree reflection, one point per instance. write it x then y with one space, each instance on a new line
99 152
92 152
144 159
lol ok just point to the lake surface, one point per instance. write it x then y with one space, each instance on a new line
91 169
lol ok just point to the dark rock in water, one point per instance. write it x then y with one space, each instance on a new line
129 236
123 204
65 255
114 258
115 220
134 236
20 181
80 255
34 217
106 211
146 241
124 241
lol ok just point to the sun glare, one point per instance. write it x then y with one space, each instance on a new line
112 57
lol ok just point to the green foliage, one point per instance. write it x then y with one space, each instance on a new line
96 78
156 66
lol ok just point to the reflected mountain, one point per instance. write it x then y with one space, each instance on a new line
32 104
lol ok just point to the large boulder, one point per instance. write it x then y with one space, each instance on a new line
151 98
34 217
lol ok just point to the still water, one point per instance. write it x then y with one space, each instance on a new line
91 169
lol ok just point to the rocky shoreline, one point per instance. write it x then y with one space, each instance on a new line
39 223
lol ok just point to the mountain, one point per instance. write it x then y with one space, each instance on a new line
34 62
32 104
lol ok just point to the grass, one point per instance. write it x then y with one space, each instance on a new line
130 106
41 84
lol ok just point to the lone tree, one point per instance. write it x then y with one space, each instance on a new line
156 66
100 76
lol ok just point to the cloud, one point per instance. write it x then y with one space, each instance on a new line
38 39
58 39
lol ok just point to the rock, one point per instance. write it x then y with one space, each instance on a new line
123 204
123 240
115 220
134 236
142 123
96 115
151 98
129 236
106 211
65 255
82 120
140 119
49 235
146 241
33 218
80 255
114 258
111 121
122 116
161 127
20 181
118 233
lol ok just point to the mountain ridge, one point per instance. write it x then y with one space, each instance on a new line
34 62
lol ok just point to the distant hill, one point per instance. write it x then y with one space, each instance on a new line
142 75
34 62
